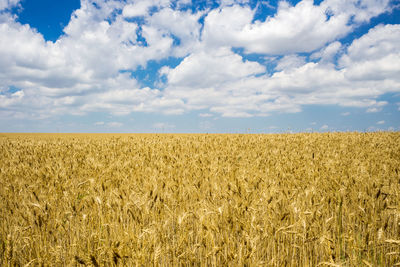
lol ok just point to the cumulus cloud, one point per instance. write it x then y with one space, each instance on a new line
219 80
141 7
6 4
290 62
375 56
242 90
181 25
327 53
84 67
380 122
360 11
89 68
211 68
304 27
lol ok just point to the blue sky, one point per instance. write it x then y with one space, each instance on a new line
227 66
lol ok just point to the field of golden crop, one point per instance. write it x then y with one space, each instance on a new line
200 200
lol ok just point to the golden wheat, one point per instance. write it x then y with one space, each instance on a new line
205 200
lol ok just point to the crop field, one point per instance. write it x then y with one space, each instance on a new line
329 199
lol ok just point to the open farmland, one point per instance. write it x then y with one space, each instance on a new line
203 200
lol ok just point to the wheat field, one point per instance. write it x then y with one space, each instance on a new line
328 199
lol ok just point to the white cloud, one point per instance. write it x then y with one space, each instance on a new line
304 27
106 48
324 127
202 81
300 28
220 80
6 4
376 107
126 101
360 11
141 7
290 62
345 113
88 68
83 67
183 25
99 123
327 53
380 122
229 112
212 68
375 56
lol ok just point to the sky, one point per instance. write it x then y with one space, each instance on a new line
199 66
